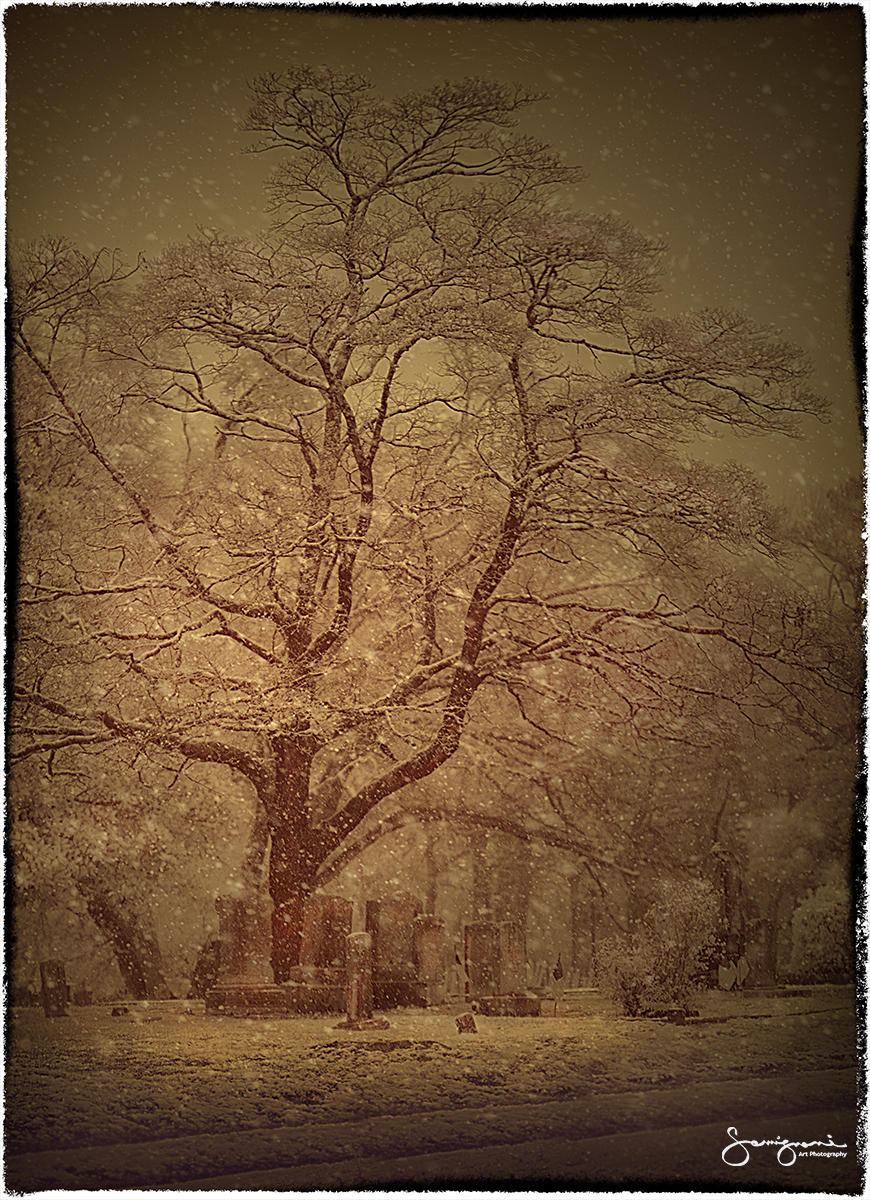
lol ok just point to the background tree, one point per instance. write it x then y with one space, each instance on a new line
448 486
130 849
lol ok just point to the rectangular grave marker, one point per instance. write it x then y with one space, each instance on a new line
391 925
430 953
512 958
326 923
237 977
482 953
318 983
360 1004
55 993
245 937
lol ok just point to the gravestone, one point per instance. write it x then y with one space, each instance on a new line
359 998
245 940
232 936
55 993
456 977
317 984
727 976
482 951
512 958
360 1004
206 970
244 986
430 955
495 962
391 925
326 923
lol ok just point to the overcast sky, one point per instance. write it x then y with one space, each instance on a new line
735 136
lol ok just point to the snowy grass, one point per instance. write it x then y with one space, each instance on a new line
160 1071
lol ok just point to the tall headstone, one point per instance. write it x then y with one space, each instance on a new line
430 955
245 936
231 935
244 985
326 923
206 969
456 977
360 1004
391 925
512 956
359 995
55 993
317 984
495 964
482 954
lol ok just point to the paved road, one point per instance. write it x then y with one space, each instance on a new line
691 1155
675 1134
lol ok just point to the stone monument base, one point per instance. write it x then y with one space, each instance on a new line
398 993
248 1000
274 1000
509 1006
315 998
364 1023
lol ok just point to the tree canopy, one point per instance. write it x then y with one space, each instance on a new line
419 467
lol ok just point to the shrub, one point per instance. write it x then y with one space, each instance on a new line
821 936
663 961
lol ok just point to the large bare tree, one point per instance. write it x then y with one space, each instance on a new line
413 466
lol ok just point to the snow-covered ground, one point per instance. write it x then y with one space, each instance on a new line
166 1071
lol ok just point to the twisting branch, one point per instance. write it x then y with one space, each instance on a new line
466 818
143 733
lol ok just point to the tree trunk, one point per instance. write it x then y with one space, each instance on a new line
510 871
431 872
481 876
636 904
580 952
292 872
294 853
253 864
771 937
136 952
732 907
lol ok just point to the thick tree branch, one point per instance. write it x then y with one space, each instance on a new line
539 833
